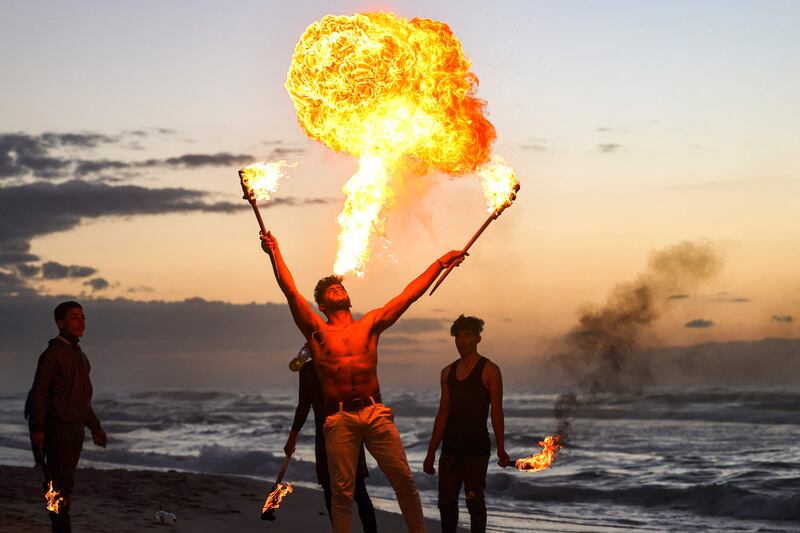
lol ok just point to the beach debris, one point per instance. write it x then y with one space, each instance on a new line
55 501
164 517
543 459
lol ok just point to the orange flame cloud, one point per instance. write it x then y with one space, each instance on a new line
384 88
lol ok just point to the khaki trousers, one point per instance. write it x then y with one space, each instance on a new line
373 426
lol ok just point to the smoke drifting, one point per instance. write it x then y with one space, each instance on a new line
603 350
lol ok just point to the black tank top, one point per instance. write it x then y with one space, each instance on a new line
465 434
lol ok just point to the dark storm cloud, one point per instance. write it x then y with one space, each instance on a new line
53 270
28 271
22 154
699 323
204 160
28 211
36 209
97 284
41 156
608 148
12 285
786 319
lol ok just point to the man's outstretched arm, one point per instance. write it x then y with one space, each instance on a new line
389 313
303 315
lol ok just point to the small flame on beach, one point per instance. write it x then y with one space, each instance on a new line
543 459
260 180
54 499
276 496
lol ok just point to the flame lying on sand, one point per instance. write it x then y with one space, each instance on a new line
539 461
386 89
275 497
260 180
54 499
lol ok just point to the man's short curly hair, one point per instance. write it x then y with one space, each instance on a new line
323 284
61 310
472 324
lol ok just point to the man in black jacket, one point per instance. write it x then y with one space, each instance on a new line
60 406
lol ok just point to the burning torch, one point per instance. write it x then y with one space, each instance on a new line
500 186
258 181
55 501
276 495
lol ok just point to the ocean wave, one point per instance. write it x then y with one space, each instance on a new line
712 499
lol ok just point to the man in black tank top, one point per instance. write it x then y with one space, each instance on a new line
470 386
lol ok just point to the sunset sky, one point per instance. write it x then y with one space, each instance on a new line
632 126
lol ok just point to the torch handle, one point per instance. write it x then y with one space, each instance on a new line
258 216
284 466
474 238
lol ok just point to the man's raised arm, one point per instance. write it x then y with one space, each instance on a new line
389 313
303 315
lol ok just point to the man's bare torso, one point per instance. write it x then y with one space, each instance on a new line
346 359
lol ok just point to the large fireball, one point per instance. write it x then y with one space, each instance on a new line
383 88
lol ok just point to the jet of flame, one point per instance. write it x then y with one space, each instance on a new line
539 461
275 497
260 180
54 499
385 88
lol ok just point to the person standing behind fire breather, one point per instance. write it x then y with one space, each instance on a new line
310 397
470 386
59 405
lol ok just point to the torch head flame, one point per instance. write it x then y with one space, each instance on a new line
277 495
499 182
539 461
385 89
54 499
260 180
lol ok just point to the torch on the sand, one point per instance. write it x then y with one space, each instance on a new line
258 181
277 494
509 199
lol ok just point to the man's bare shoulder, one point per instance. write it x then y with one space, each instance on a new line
490 370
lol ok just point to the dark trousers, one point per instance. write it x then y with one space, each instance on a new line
366 511
62 451
471 472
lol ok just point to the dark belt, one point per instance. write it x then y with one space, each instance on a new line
352 404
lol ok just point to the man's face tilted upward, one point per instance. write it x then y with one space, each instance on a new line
335 298
73 323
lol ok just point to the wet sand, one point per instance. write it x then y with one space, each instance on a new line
128 500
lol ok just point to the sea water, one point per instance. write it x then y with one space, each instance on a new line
664 460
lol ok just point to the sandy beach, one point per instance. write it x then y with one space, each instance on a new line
128 500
